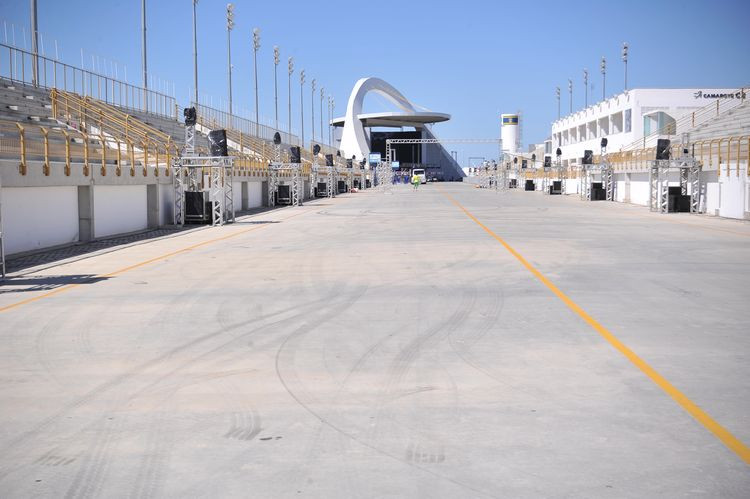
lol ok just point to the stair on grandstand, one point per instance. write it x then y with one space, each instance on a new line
733 123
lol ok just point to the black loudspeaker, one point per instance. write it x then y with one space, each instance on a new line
524 164
329 159
284 194
190 116
217 142
513 183
197 207
678 203
548 161
322 189
662 149
349 163
277 138
342 186
529 185
316 149
588 157
294 154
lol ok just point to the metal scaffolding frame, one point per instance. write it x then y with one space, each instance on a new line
189 176
688 169
276 171
555 173
606 173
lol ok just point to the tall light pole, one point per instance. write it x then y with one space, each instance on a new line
557 93
195 52
230 25
586 85
570 91
34 46
322 90
625 60
302 106
330 141
312 108
256 46
333 107
275 88
290 67
604 78
144 66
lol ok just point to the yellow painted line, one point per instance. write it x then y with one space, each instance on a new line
68 287
735 444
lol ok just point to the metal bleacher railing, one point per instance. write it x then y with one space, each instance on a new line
17 65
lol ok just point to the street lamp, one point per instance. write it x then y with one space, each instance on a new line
302 106
604 77
256 46
322 89
625 60
195 52
290 67
586 85
312 107
230 25
330 103
557 93
275 88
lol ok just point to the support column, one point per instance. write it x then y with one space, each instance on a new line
152 205
85 213
245 193
626 196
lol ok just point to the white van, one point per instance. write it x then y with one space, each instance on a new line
420 173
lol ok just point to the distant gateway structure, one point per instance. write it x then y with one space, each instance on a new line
358 142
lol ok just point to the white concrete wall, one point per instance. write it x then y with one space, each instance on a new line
254 194
237 196
166 204
119 209
39 217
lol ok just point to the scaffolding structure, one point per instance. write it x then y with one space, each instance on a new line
553 174
277 171
605 173
688 169
212 174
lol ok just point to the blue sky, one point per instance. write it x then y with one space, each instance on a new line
473 59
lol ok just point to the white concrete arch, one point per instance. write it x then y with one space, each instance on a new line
353 138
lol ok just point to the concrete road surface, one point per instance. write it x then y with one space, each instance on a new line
446 343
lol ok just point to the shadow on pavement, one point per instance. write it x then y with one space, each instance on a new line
45 283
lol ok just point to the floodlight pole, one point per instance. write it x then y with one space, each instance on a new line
322 89
625 60
586 86
312 107
302 106
570 91
144 65
290 68
256 46
557 93
34 44
604 78
195 52
230 25
275 85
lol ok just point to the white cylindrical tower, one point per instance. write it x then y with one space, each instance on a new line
509 132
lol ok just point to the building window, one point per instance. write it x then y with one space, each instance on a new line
628 119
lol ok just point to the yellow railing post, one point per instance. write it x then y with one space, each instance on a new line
156 153
67 152
118 168
85 154
45 165
104 154
131 151
145 157
22 138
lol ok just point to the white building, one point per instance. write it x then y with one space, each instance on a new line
628 117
